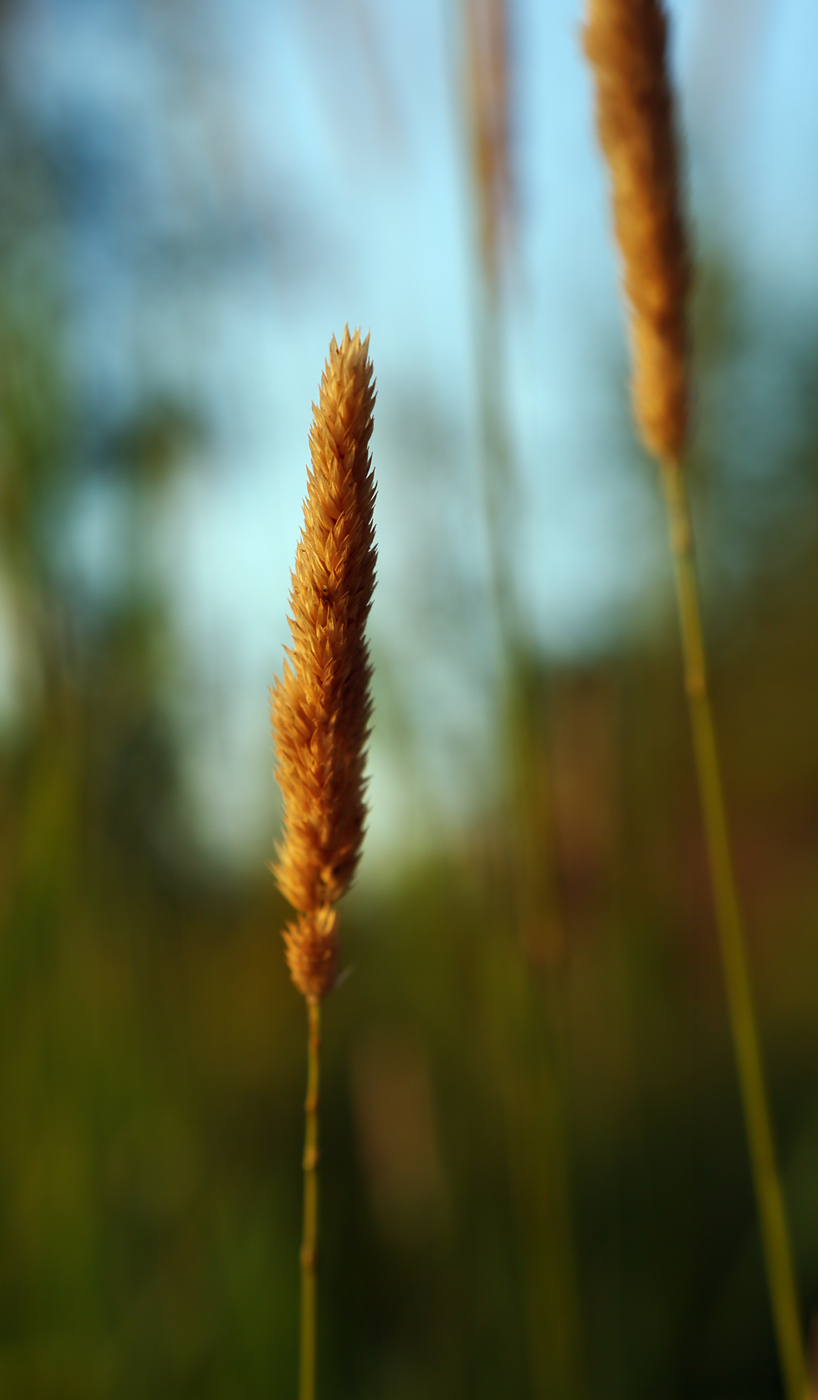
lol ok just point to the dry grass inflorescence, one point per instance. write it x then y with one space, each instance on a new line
487 41
321 708
626 43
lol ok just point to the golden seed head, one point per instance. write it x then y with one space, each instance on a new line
321 708
312 952
626 43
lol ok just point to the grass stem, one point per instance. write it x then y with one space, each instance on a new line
775 1238
309 1243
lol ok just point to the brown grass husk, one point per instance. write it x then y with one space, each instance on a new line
488 64
321 708
626 43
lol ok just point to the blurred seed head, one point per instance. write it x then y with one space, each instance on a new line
488 72
626 43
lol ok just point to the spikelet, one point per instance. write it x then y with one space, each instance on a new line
321 708
626 43
312 952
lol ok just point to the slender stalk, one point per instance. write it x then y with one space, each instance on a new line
309 1243
775 1238
500 494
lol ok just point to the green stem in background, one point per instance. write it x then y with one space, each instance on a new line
309 1242
777 1252
500 495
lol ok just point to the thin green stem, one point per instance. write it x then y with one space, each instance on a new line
769 1197
496 467
309 1243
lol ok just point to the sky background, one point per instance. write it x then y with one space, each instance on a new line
237 181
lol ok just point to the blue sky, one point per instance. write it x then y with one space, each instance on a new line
244 177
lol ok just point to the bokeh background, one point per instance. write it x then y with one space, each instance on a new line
535 1182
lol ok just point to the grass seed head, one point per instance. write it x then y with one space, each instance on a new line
321 708
489 83
312 952
626 43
